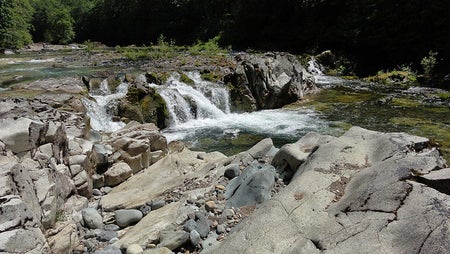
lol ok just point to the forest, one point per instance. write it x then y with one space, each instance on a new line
370 34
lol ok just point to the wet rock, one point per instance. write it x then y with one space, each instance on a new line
269 81
126 217
92 218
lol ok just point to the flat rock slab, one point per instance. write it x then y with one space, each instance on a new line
352 195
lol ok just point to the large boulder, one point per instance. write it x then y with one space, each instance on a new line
269 81
353 194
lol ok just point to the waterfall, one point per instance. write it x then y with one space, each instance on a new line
202 111
319 77
101 109
314 67
201 100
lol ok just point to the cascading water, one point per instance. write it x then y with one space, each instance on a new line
319 77
201 111
105 101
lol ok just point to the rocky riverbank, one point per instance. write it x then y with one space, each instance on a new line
67 188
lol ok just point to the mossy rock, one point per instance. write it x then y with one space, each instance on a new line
113 83
128 112
185 79
158 78
154 110
404 78
210 76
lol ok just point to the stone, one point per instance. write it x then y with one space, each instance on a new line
438 179
156 204
210 206
112 227
268 81
118 173
14 133
195 238
145 209
126 217
162 250
109 250
147 230
92 218
134 249
351 190
173 239
220 229
65 240
13 241
252 187
232 171
105 235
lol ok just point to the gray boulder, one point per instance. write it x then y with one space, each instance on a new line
269 81
14 133
126 217
173 239
92 218
252 187
353 194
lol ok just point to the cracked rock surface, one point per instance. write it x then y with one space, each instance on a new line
383 209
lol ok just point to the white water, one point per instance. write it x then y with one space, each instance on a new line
105 100
319 77
205 108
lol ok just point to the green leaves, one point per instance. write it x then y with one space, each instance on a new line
15 25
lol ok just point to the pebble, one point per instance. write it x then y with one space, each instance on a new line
134 249
106 236
112 227
145 209
210 206
96 192
156 204
232 171
220 229
126 217
194 237
92 218
220 187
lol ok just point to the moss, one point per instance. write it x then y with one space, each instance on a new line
113 83
443 95
396 77
210 76
185 79
406 121
405 102
158 78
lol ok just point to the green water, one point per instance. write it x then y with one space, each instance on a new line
345 107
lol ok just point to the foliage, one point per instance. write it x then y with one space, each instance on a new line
429 63
209 47
15 18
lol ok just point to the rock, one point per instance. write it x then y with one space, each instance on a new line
173 239
162 250
106 235
252 187
13 241
202 225
291 156
92 218
134 249
269 81
232 171
156 204
109 250
14 133
118 173
65 240
145 209
126 217
210 206
439 180
261 148
220 229
194 237
83 184
147 230
352 189
112 227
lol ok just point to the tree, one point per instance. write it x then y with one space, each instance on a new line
53 22
15 23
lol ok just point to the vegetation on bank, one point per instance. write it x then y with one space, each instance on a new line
372 34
